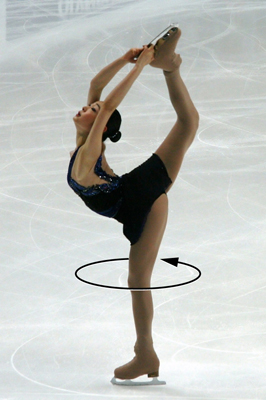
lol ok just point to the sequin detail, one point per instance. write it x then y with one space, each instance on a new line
113 182
104 199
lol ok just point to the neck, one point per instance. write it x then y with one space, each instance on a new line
80 140
81 137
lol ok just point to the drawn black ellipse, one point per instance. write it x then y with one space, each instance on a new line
172 261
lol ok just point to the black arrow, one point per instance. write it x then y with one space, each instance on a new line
172 261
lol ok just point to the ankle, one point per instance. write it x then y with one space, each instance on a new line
173 65
172 74
168 73
144 343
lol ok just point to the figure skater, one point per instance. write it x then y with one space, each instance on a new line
137 199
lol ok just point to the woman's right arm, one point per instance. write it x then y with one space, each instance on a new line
113 100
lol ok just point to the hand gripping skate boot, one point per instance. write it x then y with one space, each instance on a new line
144 363
164 49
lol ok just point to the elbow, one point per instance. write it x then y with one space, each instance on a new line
94 84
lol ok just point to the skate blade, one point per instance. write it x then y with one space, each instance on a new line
161 34
129 382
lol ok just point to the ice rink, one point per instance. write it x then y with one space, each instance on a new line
61 338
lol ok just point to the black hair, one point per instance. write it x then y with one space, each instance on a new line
113 126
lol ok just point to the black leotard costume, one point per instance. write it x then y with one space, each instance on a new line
128 198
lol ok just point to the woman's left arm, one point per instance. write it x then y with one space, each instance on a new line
93 145
103 77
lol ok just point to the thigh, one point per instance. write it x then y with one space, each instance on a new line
143 254
174 147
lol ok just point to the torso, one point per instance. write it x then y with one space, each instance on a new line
83 173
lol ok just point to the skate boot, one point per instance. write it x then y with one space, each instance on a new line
145 362
164 51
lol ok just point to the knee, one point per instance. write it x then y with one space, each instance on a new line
190 126
134 281
196 119
140 272
196 116
194 125
141 280
193 122
190 122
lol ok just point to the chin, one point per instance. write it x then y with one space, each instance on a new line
76 122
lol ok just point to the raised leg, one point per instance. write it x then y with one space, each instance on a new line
141 262
175 145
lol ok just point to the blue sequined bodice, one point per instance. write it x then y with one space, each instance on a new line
112 182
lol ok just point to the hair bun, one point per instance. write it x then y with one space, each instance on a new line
115 137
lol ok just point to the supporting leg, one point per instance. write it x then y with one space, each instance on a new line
141 261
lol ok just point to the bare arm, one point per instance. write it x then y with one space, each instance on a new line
93 145
103 77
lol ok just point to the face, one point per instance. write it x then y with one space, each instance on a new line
84 118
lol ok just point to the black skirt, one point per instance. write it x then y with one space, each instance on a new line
140 188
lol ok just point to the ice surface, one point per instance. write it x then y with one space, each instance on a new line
61 338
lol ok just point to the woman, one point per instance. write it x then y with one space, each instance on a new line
138 200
